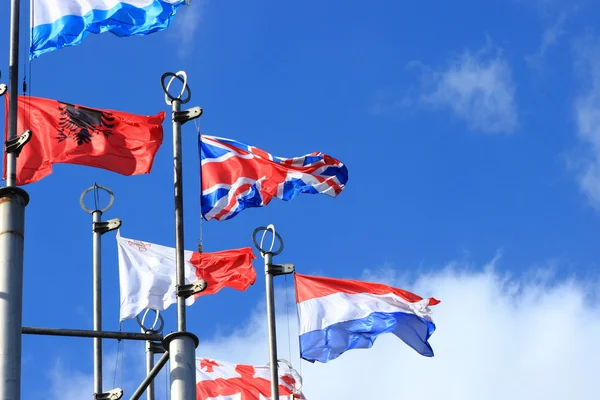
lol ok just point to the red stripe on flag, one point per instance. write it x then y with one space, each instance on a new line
310 287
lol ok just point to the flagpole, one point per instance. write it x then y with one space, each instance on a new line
13 201
98 229
181 344
272 327
272 270
152 347
13 76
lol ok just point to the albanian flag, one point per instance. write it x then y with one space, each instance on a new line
64 133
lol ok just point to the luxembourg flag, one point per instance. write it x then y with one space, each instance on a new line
336 315
61 23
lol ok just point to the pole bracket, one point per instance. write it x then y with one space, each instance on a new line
106 226
157 348
187 115
3 89
114 394
282 269
191 289
15 145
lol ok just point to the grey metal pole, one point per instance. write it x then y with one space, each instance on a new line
178 188
13 77
182 357
12 237
97 302
149 366
181 344
13 201
272 270
82 333
98 229
271 325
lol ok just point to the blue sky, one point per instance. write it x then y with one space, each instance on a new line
472 137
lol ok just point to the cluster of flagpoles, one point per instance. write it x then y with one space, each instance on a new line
178 347
357 311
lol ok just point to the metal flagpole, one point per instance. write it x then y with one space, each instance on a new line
13 201
151 346
98 229
149 366
181 345
271 271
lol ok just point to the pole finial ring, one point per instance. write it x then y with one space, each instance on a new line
263 250
182 77
158 320
95 188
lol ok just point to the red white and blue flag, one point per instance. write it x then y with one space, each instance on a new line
337 315
236 176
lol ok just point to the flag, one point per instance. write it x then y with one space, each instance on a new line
337 315
236 176
63 23
64 133
147 274
225 381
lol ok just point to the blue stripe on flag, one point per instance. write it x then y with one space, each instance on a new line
331 342
122 20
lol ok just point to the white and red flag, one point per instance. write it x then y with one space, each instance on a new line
147 274
218 380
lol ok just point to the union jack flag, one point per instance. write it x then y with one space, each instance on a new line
236 176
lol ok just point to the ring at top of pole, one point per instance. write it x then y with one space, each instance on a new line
95 189
182 76
260 247
158 319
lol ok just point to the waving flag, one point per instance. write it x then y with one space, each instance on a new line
62 23
337 315
147 274
64 133
236 176
225 381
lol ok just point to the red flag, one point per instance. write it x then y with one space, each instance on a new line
226 268
71 134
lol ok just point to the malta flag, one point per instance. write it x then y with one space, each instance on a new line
147 274
64 133
217 380
337 315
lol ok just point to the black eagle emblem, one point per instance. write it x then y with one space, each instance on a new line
81 123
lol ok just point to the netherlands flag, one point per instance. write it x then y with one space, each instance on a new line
337 315
236 176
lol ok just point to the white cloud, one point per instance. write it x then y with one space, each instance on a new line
478 88
587 116
550 37
497 337
185 26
